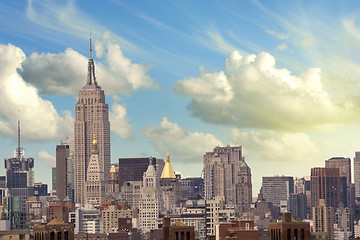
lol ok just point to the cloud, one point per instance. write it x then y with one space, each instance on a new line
276 146
253 93
46 158
281 47
281 36
180 143
39 118
350 26
66 17
213 39
65 73
119 122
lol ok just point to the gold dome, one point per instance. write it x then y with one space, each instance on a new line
94 140
168 171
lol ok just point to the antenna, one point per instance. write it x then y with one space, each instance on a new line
90 45
18 129
19 147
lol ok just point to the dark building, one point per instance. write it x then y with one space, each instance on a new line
133 169
325 184
239 230
178 230
54 230
20 184
40 189
15 213
60 211
297 205
125 231
192 188
344 166
288 228
62 154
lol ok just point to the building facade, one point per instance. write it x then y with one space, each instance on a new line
277 188
170 188
151 201
95 182
221 172
65 169
91 120
325 184
244 190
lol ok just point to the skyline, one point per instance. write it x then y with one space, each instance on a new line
279 80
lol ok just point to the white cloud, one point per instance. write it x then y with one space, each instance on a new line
45 157
119 122
180 143
281 36
281 47
277 146
350 26
39 118
260 95
65 73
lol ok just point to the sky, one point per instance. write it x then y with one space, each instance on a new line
279 78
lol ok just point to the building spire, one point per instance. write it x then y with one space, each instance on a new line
90 46
91 79
18 129
18 149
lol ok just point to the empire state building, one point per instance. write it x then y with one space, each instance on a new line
91 120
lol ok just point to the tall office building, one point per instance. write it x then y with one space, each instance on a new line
277 188
357 174
323 219
133 169
244 188
150 202
325 184
64 169
170 188
91 120
344 166
19 174
297 205
221 172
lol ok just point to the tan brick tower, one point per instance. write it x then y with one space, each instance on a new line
91 120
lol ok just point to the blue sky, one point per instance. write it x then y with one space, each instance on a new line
280 78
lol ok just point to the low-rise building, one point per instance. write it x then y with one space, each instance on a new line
288 228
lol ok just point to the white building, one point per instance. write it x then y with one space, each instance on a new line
217 211
86 220
150 202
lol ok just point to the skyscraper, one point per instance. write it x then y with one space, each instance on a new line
91 120
323 218
221 172
65 169
344 166
325 184
170 187
277 188
150 202
19 173
357 174
244 187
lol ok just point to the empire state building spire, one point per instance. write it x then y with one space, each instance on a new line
91 82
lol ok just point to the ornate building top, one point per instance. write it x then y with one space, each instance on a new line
168 171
